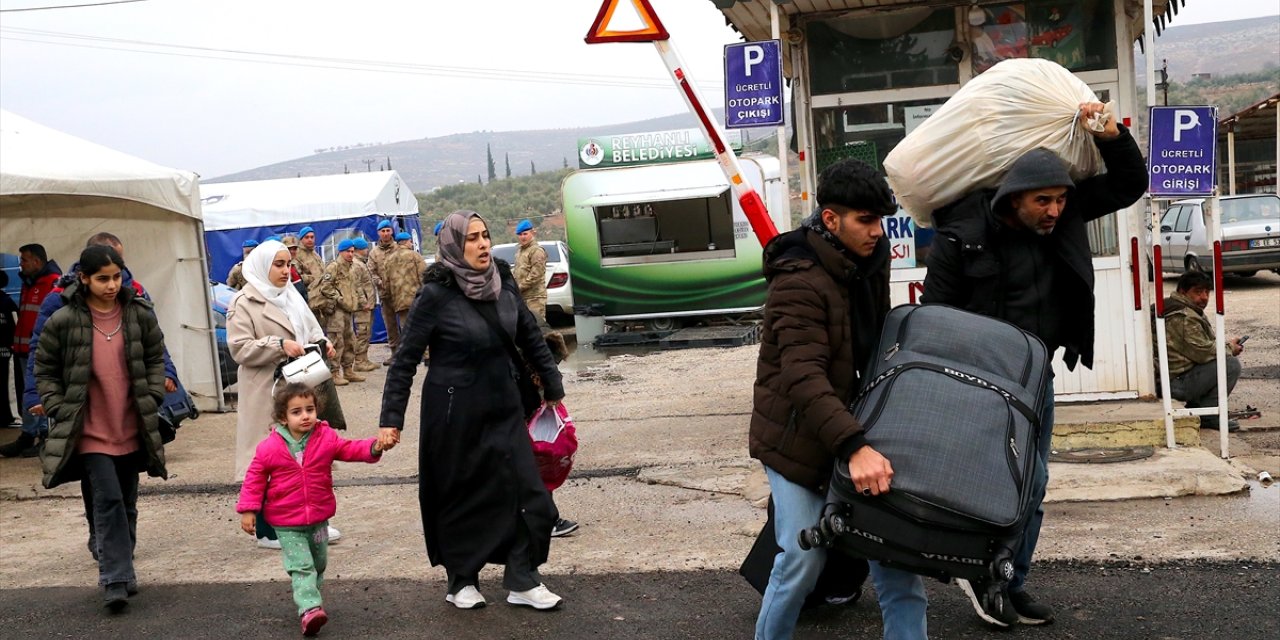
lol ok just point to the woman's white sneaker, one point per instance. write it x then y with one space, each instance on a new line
538 597
334 534
466 598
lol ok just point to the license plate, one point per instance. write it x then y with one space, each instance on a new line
1264 242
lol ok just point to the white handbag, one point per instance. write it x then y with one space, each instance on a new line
309 368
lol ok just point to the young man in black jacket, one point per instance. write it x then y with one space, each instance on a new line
1021 253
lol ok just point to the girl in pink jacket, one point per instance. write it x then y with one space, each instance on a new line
291 482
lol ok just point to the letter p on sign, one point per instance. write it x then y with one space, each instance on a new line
1184 120
752 56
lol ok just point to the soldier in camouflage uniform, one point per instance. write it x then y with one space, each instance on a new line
310 264
364 313
235 278
378 257
1193 354
402 275
530 270
338 285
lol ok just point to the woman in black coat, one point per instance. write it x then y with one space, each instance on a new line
481 496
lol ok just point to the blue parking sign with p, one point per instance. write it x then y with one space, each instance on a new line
753 84
1183 156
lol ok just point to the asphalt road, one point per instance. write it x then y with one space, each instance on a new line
1185 601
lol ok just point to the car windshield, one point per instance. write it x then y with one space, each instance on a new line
1263 207
553 251
507 252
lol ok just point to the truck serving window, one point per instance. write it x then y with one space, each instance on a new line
666 231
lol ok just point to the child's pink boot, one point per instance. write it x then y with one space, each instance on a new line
312 620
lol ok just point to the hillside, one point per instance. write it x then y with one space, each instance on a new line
1219 49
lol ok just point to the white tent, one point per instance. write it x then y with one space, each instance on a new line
335 206
263 203
57 190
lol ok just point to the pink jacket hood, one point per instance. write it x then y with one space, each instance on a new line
297 495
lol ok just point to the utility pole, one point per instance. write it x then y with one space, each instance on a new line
1163 85
368 164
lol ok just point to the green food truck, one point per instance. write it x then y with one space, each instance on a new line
655 234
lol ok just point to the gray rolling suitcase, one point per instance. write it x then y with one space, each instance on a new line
953 400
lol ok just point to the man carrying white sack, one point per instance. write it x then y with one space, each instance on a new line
1021 253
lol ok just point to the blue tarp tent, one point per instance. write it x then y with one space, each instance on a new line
337 207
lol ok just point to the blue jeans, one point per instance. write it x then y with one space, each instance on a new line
32 425
1040 482
903 603
795 571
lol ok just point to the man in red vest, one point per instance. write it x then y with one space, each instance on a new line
38 277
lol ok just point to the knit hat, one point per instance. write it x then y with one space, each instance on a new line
250 243
360 244
403 235
275 237
385 224
346 244
439 226
1038 168
304 231
524 226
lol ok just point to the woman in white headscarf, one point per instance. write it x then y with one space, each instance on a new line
268 322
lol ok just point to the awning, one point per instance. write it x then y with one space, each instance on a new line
1255 122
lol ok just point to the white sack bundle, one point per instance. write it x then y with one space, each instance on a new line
971 141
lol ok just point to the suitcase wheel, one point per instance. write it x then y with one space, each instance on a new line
1002 566
813 538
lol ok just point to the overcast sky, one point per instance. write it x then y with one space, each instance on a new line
216 106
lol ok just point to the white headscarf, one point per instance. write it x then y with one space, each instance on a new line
257 268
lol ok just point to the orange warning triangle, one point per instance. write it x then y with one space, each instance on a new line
652 29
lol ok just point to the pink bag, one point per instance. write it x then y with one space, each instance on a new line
554 443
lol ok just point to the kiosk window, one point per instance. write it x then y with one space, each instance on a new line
888 50
666 231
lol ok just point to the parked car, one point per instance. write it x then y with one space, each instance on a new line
559 289
221 295
1250 235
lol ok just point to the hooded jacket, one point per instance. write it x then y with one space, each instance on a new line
298 494
54 301
819 308
64 365
1042 284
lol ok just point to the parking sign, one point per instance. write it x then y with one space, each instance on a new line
753 84
1183 156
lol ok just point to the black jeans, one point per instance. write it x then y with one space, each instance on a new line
1198 387
518 575
113 482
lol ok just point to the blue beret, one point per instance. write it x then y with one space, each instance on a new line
403 235
249 244
273 237
439 226
304 231
524 226
346 244
385 224
360 244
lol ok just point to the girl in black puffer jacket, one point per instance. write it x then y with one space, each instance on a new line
100 373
